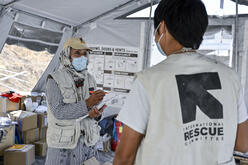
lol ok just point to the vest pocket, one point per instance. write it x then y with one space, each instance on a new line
62 134
68 135
68 92
54 134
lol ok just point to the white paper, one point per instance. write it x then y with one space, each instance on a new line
131 65
99 64
108 80
99 77
119 81
129 82
109 63
120 64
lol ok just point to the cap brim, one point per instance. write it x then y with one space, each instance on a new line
80 47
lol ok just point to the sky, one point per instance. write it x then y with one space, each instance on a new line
212 6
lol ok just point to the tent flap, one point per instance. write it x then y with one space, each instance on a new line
41 85
65 11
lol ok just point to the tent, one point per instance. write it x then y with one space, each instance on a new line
106 27
122 45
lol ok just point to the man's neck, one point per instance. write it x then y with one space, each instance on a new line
173 48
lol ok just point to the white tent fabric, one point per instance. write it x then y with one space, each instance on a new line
39 22
111 31
5 2
70 12
95 22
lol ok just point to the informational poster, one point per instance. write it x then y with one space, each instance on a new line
114 69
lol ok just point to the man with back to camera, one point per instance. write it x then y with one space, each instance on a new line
188 109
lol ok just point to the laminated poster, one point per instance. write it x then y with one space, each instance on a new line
114 69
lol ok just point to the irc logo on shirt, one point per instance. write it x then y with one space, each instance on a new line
193 92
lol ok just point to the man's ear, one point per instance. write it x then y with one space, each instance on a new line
162 28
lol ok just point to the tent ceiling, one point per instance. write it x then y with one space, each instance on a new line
69 12
5 2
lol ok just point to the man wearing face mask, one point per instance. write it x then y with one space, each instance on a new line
188 109
71 135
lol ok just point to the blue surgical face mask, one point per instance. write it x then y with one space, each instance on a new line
79 63
158 43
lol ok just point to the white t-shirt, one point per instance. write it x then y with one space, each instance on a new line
136 110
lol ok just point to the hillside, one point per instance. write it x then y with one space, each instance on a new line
21 68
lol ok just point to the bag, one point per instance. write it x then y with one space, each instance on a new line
117 132
107 125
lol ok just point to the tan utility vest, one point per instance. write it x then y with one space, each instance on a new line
66 133
193 112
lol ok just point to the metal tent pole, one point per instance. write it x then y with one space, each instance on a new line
148 40
236 37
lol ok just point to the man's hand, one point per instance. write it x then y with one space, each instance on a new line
95 113
95 98
128 146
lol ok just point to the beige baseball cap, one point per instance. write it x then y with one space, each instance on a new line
76 43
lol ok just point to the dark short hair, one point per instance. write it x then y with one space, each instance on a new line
186 20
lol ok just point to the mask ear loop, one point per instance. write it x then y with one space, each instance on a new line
156 32
160 38
156 29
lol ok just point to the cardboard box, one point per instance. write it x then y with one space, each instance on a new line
30 136
19 155
7 106
8 138
41 148
22 105
34 99
26 120
43 133
42 120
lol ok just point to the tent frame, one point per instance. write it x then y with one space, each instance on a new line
148 24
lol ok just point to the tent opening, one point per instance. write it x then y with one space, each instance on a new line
25 56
